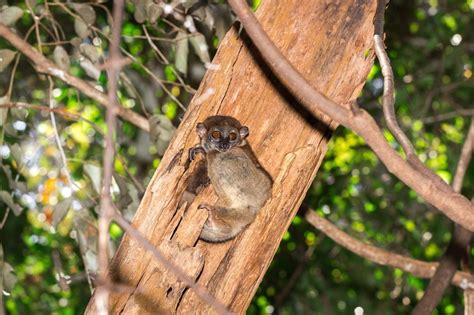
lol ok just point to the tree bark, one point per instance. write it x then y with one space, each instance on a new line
330 43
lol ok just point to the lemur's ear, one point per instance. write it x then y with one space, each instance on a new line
244 132
201 130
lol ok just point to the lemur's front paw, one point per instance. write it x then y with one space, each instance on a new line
195 151
210 217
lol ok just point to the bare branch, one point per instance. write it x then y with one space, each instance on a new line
5 217
464 159
446 116
457 246
380 256
43 65
455 206
388 105
56 133
389 98
106 205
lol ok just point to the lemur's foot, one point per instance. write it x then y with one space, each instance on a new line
205 206
210 216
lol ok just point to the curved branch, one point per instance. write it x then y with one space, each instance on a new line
457 207
464 159
389 98
457 246
388 105
418 268
44 65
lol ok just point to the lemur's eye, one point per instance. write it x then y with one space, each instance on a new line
216 134
232 136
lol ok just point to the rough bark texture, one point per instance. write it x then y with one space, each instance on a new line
330 43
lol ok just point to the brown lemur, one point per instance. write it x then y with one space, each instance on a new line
241 184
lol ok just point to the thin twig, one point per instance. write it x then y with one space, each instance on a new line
464 159
56 134
106 207
446 116
388 105
457 207
5 217
166 61
460 241
380 256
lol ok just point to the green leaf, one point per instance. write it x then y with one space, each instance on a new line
182 50
10 15
198 42
3 111
61 58
17 155
6 57
7 199
81 28
91 70
9 277
161 131
450 22
86 227
170 73
154 11
95 174
85 11
90 51
140 13
60 210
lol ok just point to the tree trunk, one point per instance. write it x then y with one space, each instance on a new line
330 43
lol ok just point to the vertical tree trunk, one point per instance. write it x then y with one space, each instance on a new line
330 43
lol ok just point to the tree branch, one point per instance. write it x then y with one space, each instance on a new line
380 256
464 159
388 105
457 246
455 206
44 65
446 116
106 205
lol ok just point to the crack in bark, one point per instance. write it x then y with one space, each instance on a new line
231 76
